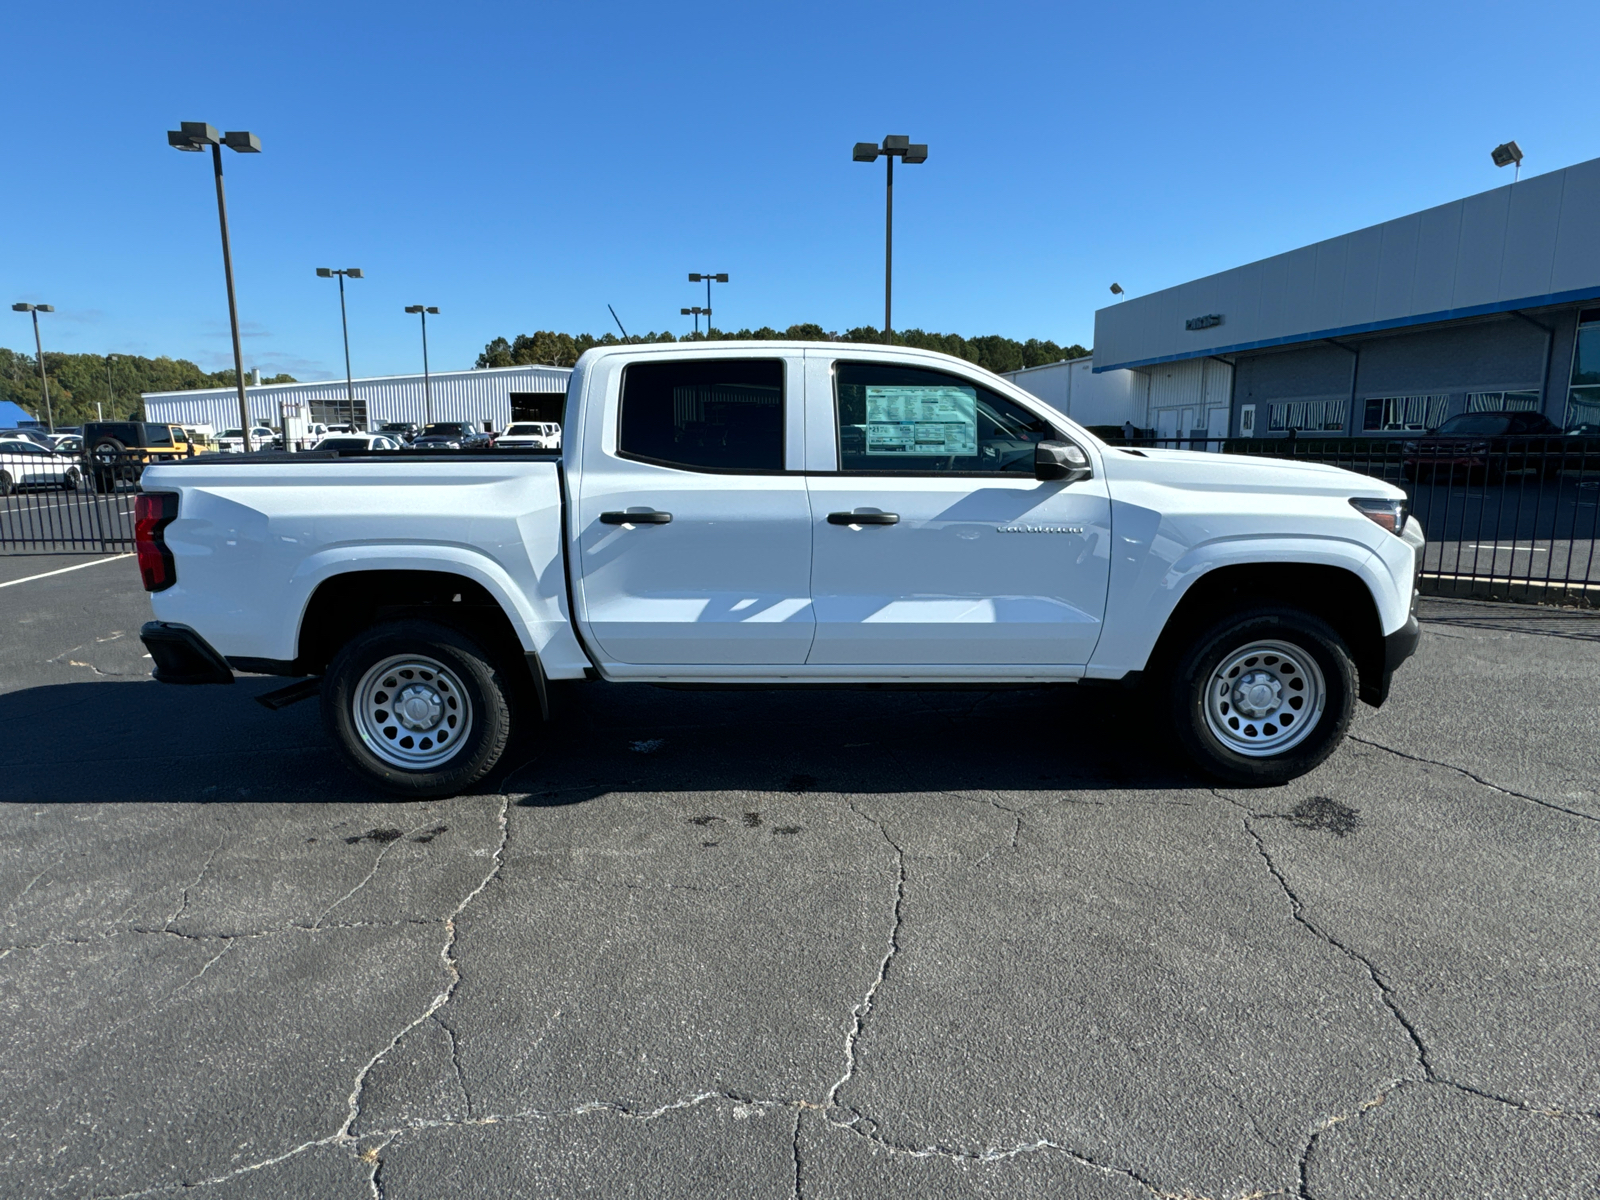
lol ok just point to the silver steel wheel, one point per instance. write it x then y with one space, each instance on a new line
412 712
1265 698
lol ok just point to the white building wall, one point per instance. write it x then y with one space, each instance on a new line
1071 387
475 396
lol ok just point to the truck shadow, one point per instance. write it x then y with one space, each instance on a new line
142 742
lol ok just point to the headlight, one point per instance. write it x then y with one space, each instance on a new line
1391 514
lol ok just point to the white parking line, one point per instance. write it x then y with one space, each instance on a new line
63 570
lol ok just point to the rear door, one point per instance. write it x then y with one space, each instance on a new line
693 525
932 542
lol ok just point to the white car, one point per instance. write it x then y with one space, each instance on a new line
360 441
530 435
783 514
230 442
25 463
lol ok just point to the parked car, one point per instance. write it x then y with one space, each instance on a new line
404 431
118 451
707 525
231 441
530 435
25 463
452 435
32 435
359 441
1477 445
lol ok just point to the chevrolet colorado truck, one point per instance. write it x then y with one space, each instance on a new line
782 514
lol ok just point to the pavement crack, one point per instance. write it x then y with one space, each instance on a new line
452 968
1476 778
376 863
455 1062
799 1115
863 1010
183 903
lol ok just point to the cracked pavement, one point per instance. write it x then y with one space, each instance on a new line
828 944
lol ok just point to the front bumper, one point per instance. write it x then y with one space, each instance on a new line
182 656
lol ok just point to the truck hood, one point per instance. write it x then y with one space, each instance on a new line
1201 471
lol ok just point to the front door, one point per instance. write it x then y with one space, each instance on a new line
695 542
933 543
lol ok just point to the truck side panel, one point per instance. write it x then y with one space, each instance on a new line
252 543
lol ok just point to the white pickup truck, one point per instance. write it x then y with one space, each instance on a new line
781 514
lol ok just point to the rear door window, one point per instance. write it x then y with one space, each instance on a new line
895 419
704 415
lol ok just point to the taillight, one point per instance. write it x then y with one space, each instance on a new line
152 513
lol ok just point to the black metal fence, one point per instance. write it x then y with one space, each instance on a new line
65 505
1510 517
1506 517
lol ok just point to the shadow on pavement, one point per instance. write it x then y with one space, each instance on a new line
119 742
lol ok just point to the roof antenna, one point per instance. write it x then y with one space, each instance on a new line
617 319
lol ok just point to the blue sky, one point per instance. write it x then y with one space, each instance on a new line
522 166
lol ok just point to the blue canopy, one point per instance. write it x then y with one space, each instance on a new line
11 413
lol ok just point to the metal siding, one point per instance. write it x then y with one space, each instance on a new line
1482 252
457 396
1438 242
1359 295
1328 290
1533 220
1397 268
1577 252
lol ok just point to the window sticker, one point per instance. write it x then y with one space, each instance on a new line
922 420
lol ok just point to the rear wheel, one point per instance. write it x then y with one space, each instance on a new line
7 484
417 708
1263 696
71 480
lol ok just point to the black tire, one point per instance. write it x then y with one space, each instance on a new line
1197 671
71 480
479 681
103 482
7 485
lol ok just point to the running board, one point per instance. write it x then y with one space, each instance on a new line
292 694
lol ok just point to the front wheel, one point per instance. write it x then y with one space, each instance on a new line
1264 696
71 480
417 708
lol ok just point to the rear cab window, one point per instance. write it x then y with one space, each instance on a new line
704 414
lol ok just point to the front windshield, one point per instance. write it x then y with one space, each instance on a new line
443 430
1479 423
342 443
523 431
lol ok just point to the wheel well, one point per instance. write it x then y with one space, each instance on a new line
1336 595
344 605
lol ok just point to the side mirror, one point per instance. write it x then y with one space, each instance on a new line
1060 461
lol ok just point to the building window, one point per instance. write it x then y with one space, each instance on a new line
1583 397
1308 416
1502 401
1394 413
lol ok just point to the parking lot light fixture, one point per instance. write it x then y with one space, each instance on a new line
195 136
696 311
38 346
349 385
1508 154
896 145
696 277
427 390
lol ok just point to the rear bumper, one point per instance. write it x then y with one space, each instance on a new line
182 656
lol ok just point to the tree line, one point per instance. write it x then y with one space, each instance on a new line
997 353
79 382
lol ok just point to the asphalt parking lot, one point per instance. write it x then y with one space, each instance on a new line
819 944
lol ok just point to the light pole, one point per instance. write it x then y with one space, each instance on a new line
696 311
894 146
427 388
38 347
696 277
195 136
349 387
111 393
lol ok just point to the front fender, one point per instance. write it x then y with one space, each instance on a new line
1151 576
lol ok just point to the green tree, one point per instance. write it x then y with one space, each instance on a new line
81 388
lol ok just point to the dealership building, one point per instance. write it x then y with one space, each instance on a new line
491 399
1487 303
